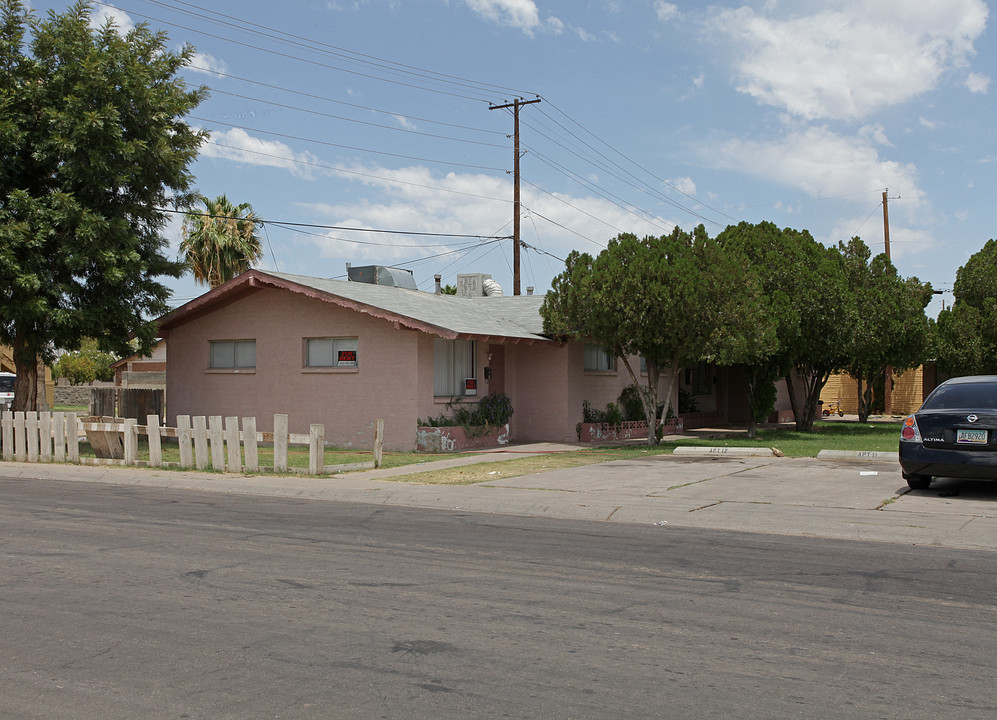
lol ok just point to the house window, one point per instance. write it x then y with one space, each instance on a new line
231 354
453 362
598 359
330 352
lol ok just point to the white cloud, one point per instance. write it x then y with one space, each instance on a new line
927 124
240 146
665 10
699 80
522 14
849 58
204 63
416 199
102 13
977 83
905 241
683 184
816 160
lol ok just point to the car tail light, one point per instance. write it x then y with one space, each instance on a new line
909 432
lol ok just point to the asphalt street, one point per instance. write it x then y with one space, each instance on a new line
845 499
128 600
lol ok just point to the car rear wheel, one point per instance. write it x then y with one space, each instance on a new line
917 482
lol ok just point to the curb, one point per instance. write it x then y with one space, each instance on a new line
876 455
728 451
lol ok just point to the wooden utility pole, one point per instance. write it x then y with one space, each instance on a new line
515 105
888 379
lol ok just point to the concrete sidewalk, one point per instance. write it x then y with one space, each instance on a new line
854 500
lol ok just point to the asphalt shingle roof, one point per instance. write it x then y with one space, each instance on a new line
515 316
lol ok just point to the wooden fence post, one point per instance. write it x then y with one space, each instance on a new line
232 441
130 441
31 427
155 441
249 441
73 438
316 449
7 423
184 441
378 442
45 435
280 443
20 441
59 433
200 442
217 443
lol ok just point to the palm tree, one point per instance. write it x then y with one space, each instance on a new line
220 241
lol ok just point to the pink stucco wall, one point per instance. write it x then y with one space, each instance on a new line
384 385
393 381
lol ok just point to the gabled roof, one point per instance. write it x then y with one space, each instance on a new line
515 318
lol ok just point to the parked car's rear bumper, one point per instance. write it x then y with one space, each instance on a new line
915 459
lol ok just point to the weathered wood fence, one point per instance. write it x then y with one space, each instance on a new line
203 442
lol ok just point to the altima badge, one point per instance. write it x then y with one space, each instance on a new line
972 418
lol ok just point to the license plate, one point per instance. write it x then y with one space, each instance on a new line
972 437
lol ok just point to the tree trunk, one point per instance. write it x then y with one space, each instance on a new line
794 401
865 401
648 396
26 382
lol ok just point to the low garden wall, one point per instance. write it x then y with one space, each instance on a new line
626 430
456 438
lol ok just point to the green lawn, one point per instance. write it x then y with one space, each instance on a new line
71 408
827 435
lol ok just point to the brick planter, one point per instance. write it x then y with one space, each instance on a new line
456 438
628 430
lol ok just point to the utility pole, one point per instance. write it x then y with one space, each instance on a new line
888 379
515 105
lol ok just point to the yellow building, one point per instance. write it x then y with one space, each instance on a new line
909 390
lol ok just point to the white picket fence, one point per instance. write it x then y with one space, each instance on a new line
204 442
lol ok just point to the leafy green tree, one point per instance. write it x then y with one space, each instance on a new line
448 290
815 346
220 241
85 365
764 252
965 335
93 144
674 300
888 325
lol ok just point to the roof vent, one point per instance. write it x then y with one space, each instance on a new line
474 285
382 275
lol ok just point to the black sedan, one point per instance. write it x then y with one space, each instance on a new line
954 434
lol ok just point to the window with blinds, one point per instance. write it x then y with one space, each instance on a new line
453 362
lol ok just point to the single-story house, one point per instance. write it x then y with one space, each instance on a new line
346 353
138 371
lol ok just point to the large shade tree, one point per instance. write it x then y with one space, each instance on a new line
94 149
887 321
220 240
965 339
674 300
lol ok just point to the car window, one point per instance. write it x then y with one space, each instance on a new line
6 384
977 396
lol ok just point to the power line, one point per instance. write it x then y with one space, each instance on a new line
307 43
289 224
358 173
324 98
344 147
394 128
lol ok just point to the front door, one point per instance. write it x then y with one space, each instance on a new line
496 365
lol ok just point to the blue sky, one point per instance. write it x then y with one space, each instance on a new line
375 114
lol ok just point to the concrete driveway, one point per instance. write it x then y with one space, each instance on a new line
854 500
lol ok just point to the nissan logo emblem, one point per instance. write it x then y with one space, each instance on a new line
972 418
